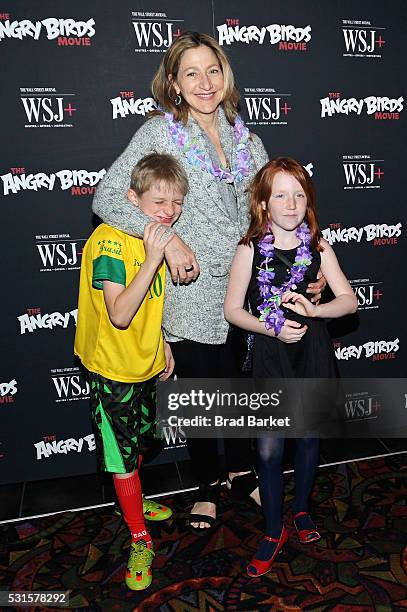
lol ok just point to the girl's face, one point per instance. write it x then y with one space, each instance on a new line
287 205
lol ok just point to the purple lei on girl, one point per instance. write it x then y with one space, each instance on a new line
270 311
198 158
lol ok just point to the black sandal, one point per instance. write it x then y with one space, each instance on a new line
242 486
206 493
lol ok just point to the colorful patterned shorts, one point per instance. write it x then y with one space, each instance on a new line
124 421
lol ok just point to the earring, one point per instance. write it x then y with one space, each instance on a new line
177 100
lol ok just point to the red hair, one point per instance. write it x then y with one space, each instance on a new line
261 189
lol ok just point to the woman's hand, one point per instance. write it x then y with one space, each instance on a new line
170 363
299 304
290 332
317 288
181 261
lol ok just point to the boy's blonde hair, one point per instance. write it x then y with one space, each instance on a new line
157 167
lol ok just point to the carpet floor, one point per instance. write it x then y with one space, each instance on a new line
359 565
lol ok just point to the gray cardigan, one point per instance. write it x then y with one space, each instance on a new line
193 311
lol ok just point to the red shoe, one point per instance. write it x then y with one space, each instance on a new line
262 567
306 536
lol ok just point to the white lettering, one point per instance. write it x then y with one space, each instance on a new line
9 388
53 27
370 348
139 106
373 104
13 183
47 321
247 34
46 449
371 231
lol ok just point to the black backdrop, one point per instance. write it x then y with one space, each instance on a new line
319 81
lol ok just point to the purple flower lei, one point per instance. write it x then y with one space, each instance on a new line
198 158
270 311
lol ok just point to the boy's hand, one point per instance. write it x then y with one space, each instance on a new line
317 288
170 363
155 242
298 303
181 261
291 332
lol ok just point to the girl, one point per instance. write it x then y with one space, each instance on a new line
277 258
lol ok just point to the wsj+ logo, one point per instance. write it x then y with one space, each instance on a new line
174 435
362 408
47 110
58 254
367 294
359 173
358 40
156 35
266 108
71 387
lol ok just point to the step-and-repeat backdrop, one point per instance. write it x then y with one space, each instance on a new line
322 82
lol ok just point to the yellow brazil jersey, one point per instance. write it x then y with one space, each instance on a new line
134 354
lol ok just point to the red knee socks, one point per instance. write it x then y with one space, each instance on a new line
128 491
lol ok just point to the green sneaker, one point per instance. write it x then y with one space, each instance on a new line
155 512
152 511
139 575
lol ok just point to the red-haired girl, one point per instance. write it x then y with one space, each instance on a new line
277 258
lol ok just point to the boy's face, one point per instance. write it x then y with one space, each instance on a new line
162 202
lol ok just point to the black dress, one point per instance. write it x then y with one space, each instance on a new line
312 356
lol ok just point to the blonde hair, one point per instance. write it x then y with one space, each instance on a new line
163 82
157 167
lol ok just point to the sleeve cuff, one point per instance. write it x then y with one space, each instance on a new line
108 268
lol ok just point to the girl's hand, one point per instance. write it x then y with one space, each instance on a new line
170 363
317 288
291 332
299 303
155 242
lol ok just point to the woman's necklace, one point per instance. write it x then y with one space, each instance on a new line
270 311
199 159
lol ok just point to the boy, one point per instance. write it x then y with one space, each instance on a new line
120 342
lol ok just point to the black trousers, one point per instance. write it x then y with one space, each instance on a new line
196 360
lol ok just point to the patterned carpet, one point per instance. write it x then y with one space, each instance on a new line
359 565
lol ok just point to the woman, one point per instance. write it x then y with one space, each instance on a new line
201 128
